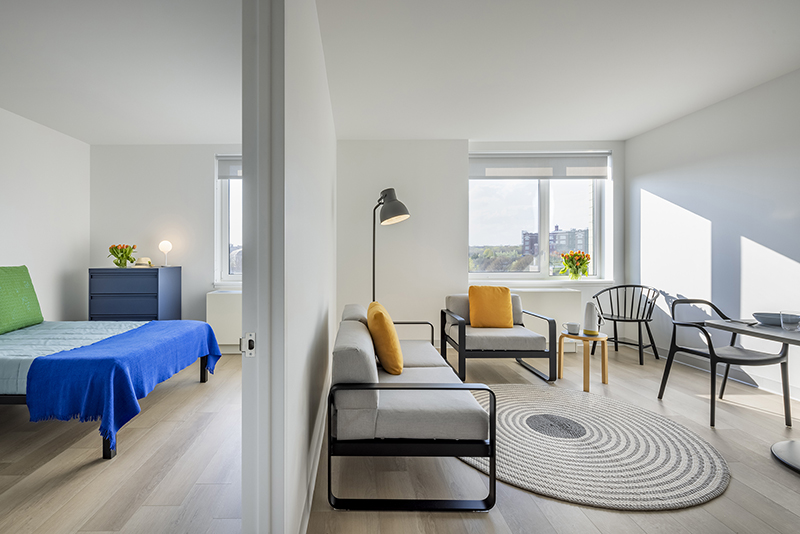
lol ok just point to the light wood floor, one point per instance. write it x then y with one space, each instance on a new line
763 496
178 467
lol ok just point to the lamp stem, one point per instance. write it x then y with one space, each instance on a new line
373 248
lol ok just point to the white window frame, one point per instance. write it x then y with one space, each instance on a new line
222 278
598 249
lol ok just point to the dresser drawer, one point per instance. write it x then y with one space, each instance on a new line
127 305
135 281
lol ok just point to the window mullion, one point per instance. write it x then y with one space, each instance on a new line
544 228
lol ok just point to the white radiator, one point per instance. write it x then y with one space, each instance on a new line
224 314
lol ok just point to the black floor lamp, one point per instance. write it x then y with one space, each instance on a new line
393 211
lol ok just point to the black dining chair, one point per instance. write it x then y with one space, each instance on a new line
628 304
729 355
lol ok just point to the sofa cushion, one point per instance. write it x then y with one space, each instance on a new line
490 307
354 361
434 414
354 423
459 304
516 338
384 336
419 353
354 312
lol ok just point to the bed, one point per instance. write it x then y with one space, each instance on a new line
92 371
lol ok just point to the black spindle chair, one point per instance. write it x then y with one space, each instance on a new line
628 304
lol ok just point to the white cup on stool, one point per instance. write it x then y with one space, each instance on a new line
573 329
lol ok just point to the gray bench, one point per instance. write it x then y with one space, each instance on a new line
425 411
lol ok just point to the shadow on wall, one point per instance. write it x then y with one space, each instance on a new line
703 243
74 286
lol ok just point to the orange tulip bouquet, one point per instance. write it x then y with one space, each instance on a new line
122 254
576 264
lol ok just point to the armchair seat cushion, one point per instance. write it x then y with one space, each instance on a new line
433 414
516 338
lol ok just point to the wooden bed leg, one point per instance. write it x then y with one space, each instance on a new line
203 370
108 452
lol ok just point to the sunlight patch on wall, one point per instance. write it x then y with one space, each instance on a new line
768 284
675 249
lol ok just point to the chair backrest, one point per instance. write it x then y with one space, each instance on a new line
697 303
459 304
632 302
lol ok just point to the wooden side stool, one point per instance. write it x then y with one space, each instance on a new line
587 342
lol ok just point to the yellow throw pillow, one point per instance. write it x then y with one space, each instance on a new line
384 336
490 307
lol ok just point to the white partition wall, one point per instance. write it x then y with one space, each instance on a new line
289 167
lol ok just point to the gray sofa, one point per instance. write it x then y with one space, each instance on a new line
424 411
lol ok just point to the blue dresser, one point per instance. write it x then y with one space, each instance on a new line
135 294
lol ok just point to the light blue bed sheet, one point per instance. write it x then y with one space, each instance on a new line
19 348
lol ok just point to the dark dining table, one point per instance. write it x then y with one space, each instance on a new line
788 451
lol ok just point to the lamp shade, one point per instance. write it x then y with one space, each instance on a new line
165 246
393 211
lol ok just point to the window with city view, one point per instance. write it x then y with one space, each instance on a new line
519 202
229 219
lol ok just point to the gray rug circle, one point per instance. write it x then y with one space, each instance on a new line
593 450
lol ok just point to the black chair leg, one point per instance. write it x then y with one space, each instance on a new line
652 341
594 346
641 347
713 390
443 336
724 380
462 364
667 368
616 338
787 400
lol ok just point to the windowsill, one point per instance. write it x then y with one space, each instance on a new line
538 283
228 285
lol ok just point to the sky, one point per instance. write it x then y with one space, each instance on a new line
500 209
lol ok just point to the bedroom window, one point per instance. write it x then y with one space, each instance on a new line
525 209
228 241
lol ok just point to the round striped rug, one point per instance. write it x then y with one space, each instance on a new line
592 450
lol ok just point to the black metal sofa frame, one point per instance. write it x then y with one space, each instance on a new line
415 447
461 346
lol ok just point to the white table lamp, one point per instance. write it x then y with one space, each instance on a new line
165 246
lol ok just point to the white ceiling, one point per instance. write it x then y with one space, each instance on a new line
544 69
125 72
169 71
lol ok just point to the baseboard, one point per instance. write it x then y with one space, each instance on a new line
316 451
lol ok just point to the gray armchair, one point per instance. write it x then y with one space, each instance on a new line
517 342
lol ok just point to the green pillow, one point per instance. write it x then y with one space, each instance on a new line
19 306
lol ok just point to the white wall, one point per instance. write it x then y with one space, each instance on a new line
143 194
420 260
44 213
310 255
289 287
714 209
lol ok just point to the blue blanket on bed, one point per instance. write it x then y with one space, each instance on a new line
104 380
